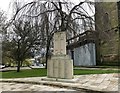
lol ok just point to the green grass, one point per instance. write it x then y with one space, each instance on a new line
24 73
101 66
43 72
83 71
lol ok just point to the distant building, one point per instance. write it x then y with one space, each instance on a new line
81 47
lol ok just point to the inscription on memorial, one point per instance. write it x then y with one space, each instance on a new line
59 43
60 66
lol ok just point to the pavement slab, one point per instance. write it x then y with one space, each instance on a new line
30 87
93 82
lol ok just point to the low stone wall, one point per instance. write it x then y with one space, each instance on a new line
110 59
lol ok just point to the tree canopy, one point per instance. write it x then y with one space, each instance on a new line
36 22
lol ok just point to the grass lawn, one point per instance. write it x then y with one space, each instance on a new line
84 71
43 72
102 66
24 73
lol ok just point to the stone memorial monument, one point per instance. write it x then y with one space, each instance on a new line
60 65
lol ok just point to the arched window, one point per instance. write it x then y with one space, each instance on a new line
106 21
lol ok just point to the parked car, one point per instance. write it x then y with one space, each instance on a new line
2 66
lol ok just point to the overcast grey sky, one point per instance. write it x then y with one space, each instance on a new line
5 5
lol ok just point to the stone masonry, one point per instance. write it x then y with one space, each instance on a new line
60 65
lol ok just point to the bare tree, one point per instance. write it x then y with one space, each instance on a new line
55 16
2 22
25 37
2 33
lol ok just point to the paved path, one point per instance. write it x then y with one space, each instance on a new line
88 68
93 82
96 68
29 87
13 68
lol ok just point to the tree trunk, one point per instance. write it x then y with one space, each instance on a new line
21 63
47 50
18 67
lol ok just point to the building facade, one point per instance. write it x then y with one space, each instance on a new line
107 24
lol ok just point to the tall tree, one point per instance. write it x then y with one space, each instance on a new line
55 16
2 33
25 37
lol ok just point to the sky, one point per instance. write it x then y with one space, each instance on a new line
5 5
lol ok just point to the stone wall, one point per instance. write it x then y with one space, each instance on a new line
106 18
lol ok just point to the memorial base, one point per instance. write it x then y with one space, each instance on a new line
60 67
59 80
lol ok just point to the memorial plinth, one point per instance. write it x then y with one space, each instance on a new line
60 65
